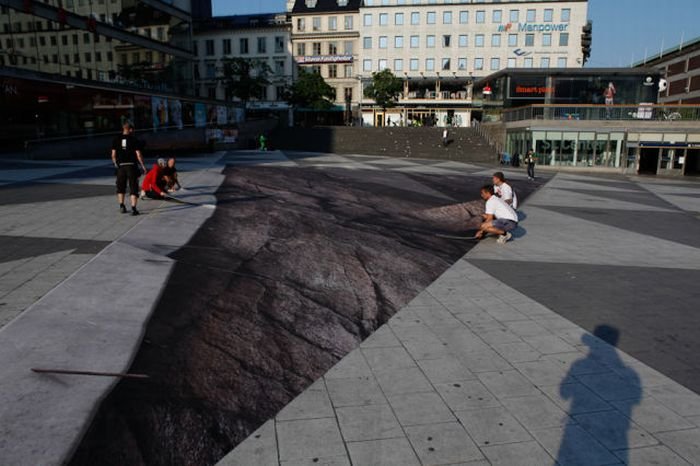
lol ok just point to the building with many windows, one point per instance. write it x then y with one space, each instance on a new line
680 66
325 40
262 38
440 48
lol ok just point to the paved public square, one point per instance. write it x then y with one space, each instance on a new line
495 362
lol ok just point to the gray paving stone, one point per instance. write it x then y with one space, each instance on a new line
468 394
311 403
651 456
373 422
536 412
500 336
427 349
420 408
399 381
517 352
517 454
653 416
614 430
482 361
445 370
383 337
260 449
309 438
381 359
579 399
572 446
388 452
684 442
354 391
542 372
352 365
438 444
577 363
678 398
333 461
610 386
527 328
506 384
492 426
549 344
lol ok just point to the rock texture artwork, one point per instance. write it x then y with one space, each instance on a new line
294 269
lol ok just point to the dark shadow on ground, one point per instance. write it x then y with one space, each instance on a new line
268 295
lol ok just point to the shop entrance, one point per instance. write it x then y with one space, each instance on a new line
692 162
648 161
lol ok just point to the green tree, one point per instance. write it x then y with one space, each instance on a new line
384 89
311 91
244 78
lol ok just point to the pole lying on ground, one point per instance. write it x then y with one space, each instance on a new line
90 373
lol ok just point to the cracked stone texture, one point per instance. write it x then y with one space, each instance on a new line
295 268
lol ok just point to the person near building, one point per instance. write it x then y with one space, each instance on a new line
530 161
172 183
445 136
504 190
609 94
263 142
153 186
127 159
499 218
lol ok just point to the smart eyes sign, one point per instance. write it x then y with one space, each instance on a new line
533 27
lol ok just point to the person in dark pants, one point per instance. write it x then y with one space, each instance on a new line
127 159
530 161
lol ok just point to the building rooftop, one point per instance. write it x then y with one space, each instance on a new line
670 53
263 20
566 72
325 6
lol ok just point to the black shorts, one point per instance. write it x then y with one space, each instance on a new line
130 174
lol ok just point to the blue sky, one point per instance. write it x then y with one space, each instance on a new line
623 30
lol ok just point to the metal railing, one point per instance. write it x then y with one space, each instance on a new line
640 112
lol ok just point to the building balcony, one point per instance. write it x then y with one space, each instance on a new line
640 112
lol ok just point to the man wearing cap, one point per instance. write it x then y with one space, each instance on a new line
153 186
126 157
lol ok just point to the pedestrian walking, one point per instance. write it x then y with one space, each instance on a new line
445 135
530 161
127 159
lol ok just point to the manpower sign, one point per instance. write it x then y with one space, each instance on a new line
533 27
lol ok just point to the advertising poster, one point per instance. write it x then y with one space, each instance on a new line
200 115
159 109
175 108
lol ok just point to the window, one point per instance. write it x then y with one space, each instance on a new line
478 63
348 23
347 47
429 64
348 71
445 64
243 43
279 44
561 62
446 17
366 43
348 94
398 19
332 48
462 63
564 39
514 16
209 46
383 42
316 69
86 38
431 17
332 71
332 23
301 49
495 64
512 40
415 42
383 19
531 16
316 24
367 20
528 62
301 24
565 15
366 65
547 40
279 92
529 40
210 72
479 40
495 40
446 40
544 62
415 18
430 42
398 64
463 17
398 42
317 48
279 67
511 63
383 64
262 44
497 16
480 17
463 40
88 57
413 64
548 15
226 45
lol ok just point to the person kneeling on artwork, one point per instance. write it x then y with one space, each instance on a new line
499 218
153 186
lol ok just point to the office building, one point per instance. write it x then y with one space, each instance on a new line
680 66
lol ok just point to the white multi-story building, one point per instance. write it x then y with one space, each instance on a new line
439 48
264 38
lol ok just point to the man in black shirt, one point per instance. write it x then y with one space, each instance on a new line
127 158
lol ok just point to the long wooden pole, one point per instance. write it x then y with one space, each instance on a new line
90 373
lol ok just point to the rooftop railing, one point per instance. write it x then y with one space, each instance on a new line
639 112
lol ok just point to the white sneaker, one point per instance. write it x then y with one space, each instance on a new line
503 239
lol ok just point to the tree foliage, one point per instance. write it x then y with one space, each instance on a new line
310 90
384 89
244 78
